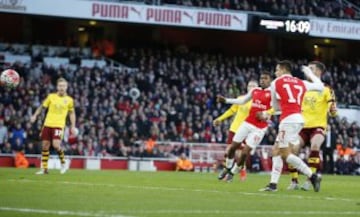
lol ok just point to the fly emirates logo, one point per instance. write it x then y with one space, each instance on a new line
257 104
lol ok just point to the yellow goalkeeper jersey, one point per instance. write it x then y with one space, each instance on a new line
240 112
58 108
315 108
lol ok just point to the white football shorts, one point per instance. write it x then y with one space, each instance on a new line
250 133
288 133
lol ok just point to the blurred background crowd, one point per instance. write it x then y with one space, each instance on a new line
176 102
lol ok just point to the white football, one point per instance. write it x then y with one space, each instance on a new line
9 78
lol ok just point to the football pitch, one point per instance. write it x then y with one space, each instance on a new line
159 194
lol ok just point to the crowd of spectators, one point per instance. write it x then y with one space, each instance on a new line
320 8
176 102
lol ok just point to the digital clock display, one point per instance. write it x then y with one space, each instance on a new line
300 26
282 25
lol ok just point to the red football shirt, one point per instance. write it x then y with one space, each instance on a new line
261 100
290 94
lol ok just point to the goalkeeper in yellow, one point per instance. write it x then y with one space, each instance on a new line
316 106
59 105
240 112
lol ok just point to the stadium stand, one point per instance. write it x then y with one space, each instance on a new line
176 102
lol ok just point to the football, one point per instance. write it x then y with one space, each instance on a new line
9 78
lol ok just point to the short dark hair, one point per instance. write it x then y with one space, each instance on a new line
266 73
285 64
321 66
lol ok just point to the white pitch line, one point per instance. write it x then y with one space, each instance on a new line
240 211
182 211
268 194
59 212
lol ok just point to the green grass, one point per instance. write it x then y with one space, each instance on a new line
160 194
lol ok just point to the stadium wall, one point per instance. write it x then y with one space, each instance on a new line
111 163
117 163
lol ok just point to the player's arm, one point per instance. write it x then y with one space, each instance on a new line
330 97
265 115
72 117
274 98
36 114
38 111
272 111
314 86
307 71
238 101
228 113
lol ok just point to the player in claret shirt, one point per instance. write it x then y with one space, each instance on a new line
252 130
315 109
287 94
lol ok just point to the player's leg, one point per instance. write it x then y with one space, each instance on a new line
230 159
240 164
242 173
46 138
294 174
290 136
56 142
252 140
239 136
277 166
317 138
224 171
57 146
229 142
237 155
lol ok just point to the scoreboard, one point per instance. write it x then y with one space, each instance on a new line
283 25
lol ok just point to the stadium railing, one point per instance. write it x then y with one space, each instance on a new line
206 157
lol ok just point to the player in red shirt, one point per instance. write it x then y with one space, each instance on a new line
252 130
287 94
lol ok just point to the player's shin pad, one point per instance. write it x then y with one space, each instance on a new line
44 159
61 156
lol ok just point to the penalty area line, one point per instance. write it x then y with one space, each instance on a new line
241 212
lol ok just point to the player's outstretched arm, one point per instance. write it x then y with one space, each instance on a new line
36 114
316 83
220 99
228 113
309 73
238 101
314 86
